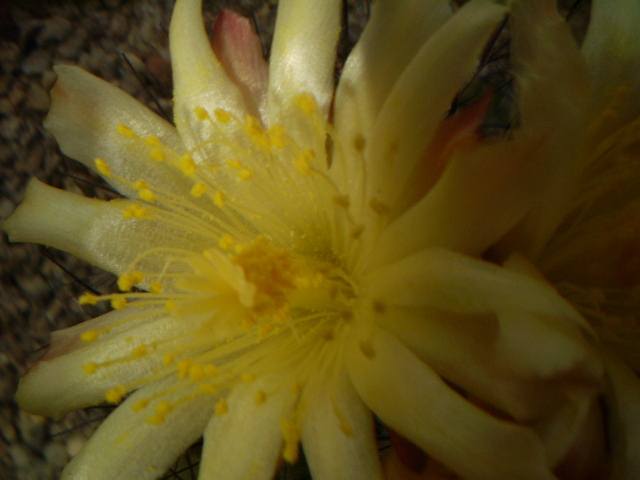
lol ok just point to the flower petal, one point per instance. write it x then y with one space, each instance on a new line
198 76
127 446
95 230
421 98
623 400
612 49
61 383
239 49
337 432
394 33
246 442
84 118
464 350
415 402
302 57
552 82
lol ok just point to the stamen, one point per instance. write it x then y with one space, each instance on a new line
103 168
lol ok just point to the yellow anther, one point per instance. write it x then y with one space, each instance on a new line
248 377
222 407
226 241
89 336
183 368
260 397
157 155
152 141
115 394
140 351
245 174
222 115
218 199
341 201
233 163
208 388
304 160
128 280
155 287
135 211
307 103
201 113
170 305
265 329
125 131
291 433
155 419
163 408
210 370
140 404
90 368
277 135
187 164
147 195
256 133
88 299
196 372
102 167
199 189
140 184
119 303
167 359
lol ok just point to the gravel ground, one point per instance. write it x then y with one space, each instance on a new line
125 42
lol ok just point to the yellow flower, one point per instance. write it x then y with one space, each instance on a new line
306 256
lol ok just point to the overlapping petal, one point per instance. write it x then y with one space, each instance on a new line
394 34
127 445
84 117
425 410
421 97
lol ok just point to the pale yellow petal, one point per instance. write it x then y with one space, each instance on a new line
76 374
84 118
337 432
612 49
553 93
97 232
246 441
302 57
408 396
198 76
128 446
393 35
420 99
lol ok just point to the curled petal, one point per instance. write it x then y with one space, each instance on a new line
416 403
128 445
246 441
337 433
84 118
96 231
